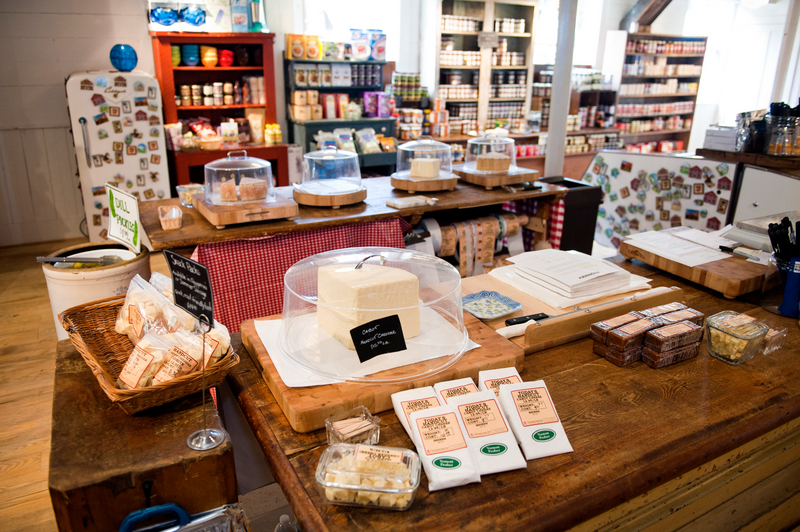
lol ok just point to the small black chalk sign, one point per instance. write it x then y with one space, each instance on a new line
191 286
378 337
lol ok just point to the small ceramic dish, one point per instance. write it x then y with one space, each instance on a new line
489 305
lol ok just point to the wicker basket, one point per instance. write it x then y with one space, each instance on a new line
91 328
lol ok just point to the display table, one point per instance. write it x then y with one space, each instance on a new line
196 229
700 440
105 464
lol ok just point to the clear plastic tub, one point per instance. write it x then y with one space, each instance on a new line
330 171
325 297
368 476
734 338
423 159
490 155
238 179
355 426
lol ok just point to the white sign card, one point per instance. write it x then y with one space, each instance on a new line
123 220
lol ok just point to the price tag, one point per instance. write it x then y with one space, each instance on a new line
191 286
378 337
123 223
488 39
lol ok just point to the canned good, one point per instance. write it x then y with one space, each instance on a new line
208 100
197 101
405 132
218 100
228 99
197 91
217 88
186 101
186 90
227 88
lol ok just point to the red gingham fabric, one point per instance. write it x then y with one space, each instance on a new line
247 275
556 223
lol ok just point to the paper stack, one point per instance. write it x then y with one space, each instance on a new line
570 273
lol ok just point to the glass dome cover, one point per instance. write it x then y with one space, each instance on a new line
326 296
414 160
490 155
238 179
330 171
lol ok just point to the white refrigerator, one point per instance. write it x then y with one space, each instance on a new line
118 130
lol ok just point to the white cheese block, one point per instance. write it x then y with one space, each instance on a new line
424 168
363 295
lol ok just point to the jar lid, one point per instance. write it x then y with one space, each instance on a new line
237 162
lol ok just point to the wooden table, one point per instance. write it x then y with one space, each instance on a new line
197 230
699 442
102 460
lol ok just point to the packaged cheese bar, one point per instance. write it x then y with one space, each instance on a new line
449 390
492 379
144 362
598 348
688 314
533 419
659 360
630 335
622 358
441 442
489 436
662 309
142 311
673 336
599 331
409 401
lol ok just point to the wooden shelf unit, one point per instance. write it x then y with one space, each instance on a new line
170 79
616 56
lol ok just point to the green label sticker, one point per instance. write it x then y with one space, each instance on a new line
447 462
493 449
543 435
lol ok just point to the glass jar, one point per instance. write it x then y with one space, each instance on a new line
423 159
490 155
330 171
238 179
732 337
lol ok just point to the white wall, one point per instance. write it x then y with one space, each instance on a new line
43 42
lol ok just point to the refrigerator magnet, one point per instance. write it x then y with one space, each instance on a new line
102 134
126 106
160 194
97 160
98 205
687 191
136 134
155 159
649 216
699 188
140 180
641 195
104 234
128 140
149 194
154 176
113 111
698 202
138 86
692 214
631 208
120 81
102 118
626 166
664 215
142 148
658 227
99 191
143 164
87 85
139 101
135 193
620 210
155 121
118 178
154 131
723 206
152 145
118 157
129 183
117 126
100 81
140 116
104 108
614 172
151 93
96 219
676 205
127 122
107 158
722 168
703 213
117 146
612 196
624 192
131 150
98 99
152 107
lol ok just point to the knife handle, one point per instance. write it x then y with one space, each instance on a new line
523 319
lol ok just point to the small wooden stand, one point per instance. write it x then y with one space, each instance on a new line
514 176
424 185
333 200
222 215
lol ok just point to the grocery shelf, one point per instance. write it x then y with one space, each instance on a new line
514 34
521 99
453 32
463 67
637 76
216 68
660 132
665 55
659 95
206 107
619 116
521 67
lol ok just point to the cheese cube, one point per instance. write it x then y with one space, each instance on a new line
349 298
493 162
424 168
227 191
252 189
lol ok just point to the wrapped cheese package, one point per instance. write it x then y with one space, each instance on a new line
492 379
145 361
448 390
409 401
142 312
599 331
163 284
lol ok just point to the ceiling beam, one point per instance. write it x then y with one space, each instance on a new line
644 12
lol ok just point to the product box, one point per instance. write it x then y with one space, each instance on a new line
341 101
312 74
299 98
220 14
377 44
163 16
377 104
360 43
312 97
337 75
325 76
316 112
329 106
194 17
295 46
300 76
301 112
240 16
313 49
329 51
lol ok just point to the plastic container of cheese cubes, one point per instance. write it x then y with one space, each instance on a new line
732 337
330 171
490 155
423 159
393 297
238 179
370 476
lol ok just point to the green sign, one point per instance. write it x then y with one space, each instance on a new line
447 462
123 221
543 435
493 449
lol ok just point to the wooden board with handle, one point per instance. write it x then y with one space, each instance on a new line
733 277
514 176
424 185
221 215
329 200
565 325
307 408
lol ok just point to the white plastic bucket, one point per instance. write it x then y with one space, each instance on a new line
70 287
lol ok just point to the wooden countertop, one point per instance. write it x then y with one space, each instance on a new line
633 429
197 230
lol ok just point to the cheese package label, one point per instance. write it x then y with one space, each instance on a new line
447 390
492 379
409 401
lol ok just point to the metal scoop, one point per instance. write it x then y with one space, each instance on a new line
105 260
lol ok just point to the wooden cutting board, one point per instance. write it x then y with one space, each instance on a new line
514 176
733 277
424 185
222 215
307 408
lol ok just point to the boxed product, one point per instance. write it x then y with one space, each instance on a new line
299 98
220 15
240 18
328 106
341 101
163 16
295 46
312 47
312 97
359 40
300 76
316 112
325 77
301 112
377 44
329 51
312 74
194 17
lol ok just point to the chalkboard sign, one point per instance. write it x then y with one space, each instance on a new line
191 286
378 337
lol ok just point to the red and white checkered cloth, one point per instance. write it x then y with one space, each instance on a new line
555 223
247 275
